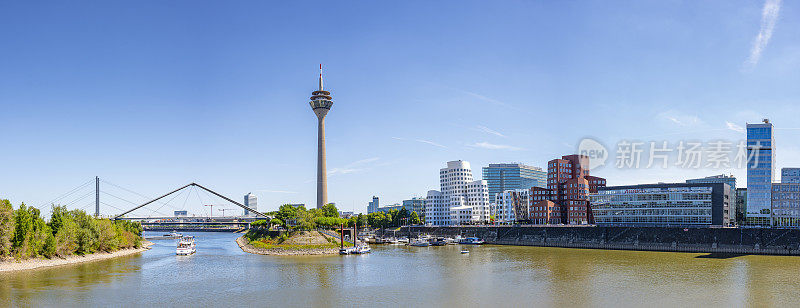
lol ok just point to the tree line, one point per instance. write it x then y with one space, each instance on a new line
25 234
300 218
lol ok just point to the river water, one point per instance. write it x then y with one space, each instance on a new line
220 274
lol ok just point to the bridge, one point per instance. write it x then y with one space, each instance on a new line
159 221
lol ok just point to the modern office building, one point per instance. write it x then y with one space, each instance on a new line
674 204
513 176
416 204
390 207
730 180
461 200
741 206
760 173
182 213
321 103
510 206
250 201
786 199
790 175
373 205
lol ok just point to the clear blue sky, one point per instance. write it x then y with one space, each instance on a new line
152 94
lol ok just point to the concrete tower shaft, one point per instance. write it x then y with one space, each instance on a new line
321 103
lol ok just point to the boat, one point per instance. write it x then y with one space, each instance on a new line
403 240
173 234
186 246
419 243
471 241
347 251
362 249
464 251
439 241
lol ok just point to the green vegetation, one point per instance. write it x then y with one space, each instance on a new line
393 218
299 218
25 234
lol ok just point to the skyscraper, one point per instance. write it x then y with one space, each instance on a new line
250 201
461 200
321 102
503 177
760 173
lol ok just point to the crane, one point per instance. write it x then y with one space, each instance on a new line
223 211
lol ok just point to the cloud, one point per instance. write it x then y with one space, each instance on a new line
769 17
356 166
732 126
492 146
421 141
278 191
679 118
490 131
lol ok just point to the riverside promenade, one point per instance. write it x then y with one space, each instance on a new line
699 240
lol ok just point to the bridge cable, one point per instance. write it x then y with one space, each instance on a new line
79 198
66 194
120 198
170 200
130 191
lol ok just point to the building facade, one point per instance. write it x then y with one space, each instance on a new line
416 204
786 199
460 200
250 201
503 177
663 204
569 183
760 173
741 206
729 180
373 205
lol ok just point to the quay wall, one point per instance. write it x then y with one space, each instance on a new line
703 240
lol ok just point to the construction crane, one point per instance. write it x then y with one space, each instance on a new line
212 209
223 211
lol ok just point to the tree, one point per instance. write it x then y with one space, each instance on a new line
330 210
6 227
414 219
362 220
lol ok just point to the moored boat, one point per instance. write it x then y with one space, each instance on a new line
419 243
471 241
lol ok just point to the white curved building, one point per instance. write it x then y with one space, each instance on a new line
461 200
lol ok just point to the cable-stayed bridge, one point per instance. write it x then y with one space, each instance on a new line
192 207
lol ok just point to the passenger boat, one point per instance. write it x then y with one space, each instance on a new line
186 246
471 241
362 249
173 234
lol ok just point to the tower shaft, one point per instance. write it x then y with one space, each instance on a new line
322 177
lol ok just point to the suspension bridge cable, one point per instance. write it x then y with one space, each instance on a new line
120 198
130 191
103 203
186 199
79 198
170 200
67 193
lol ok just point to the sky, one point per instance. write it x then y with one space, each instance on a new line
152 95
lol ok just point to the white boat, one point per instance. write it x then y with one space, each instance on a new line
362 249
471 241
403 240
464 251
419 243
173 234
186 246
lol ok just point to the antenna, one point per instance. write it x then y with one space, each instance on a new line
320 76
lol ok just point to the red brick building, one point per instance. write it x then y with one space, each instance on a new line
569 185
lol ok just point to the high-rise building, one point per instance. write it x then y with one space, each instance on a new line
461 200
250 201
760 173
569 183
373 205
321 102
741 206
674 204
503 177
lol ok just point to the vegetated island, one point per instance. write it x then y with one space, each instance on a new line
301 238
27 241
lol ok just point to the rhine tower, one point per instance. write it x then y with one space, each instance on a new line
321 102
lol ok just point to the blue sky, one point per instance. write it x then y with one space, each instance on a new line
152 95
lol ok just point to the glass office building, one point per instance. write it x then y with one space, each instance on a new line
503 177
760 173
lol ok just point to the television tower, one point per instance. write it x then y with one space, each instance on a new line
321 102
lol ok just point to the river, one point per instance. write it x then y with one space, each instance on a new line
220 274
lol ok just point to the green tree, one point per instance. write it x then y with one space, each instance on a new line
6 227
330 210
362 220
414 219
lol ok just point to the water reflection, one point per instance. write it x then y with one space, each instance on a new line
220 274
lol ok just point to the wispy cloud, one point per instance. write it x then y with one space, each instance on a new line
769 17
732 126
492 146
679 118
356 166
490 131
428 142
277 191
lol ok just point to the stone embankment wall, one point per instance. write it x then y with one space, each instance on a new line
707 240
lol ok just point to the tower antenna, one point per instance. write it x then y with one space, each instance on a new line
320 76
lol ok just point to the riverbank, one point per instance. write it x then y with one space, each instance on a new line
10 266
670 239
286 250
